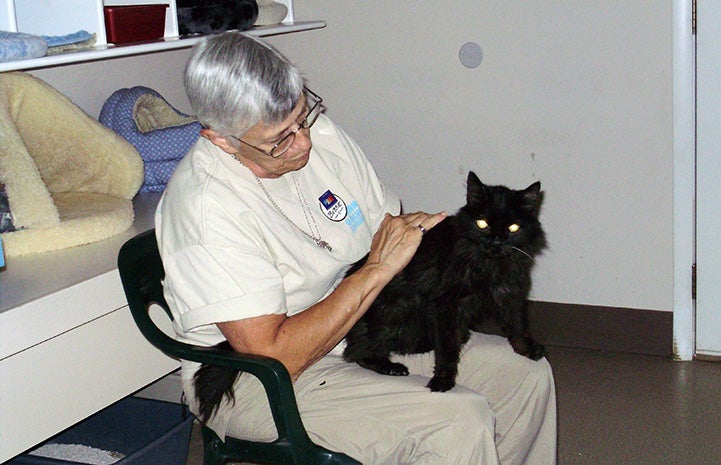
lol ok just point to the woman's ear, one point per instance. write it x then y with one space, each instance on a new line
218 140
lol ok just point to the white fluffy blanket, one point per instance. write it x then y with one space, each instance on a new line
69 179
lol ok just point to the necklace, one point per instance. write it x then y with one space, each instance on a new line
314 233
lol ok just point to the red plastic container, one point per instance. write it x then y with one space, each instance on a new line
135 23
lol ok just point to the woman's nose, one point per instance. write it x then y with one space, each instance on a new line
302 139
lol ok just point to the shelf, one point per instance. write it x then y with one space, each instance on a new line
105 52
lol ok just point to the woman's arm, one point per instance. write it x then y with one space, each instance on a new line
302 339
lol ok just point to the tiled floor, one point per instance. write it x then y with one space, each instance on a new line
624 409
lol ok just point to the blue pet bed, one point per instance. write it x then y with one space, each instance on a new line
160 133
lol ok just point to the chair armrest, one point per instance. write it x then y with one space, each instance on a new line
271 373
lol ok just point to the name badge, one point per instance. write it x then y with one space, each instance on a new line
332 206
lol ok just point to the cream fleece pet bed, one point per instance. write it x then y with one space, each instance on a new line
69 180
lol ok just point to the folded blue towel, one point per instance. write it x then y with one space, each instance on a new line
20 46
75 37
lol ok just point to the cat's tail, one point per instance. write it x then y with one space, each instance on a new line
212 383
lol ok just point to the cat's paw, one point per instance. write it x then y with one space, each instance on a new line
528 347
441 384
537 351
384 367
396 369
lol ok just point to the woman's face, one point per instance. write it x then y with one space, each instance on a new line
258 141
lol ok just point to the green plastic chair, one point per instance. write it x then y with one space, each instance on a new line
141 272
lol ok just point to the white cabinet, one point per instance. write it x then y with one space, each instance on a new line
68 343
61 17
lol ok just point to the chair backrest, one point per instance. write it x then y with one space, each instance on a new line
141 272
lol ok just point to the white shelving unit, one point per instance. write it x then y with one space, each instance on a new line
64 320
60 17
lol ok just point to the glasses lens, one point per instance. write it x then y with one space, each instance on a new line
312 116
283 145
315 103
316 108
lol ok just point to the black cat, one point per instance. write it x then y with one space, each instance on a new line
213 16
472 266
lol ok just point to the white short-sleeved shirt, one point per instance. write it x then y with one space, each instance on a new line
229 254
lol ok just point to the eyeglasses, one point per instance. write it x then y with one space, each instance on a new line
286 142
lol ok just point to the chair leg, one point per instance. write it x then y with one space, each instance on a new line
211 448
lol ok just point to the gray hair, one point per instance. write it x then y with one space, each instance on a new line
234 81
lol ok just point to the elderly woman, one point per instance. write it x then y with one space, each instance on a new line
256 229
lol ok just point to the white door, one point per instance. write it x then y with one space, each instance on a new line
708 178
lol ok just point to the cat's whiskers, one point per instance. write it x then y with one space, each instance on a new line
523 252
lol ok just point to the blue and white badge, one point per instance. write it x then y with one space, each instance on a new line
332 206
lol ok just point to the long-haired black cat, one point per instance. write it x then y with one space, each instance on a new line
474 265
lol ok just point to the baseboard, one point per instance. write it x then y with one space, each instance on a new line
602 328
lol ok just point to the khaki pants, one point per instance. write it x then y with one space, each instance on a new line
502 410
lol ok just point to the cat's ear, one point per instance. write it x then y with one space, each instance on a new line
531 196
475 189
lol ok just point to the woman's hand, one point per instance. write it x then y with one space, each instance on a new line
398 238
302 339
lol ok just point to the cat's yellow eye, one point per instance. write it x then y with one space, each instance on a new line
514 228
482 224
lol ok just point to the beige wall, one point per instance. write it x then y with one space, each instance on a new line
576 94
90 84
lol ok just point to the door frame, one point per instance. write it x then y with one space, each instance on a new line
684 179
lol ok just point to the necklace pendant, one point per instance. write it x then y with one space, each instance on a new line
306 212
323 245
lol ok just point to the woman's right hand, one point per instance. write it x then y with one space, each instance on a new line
302 339
398 238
